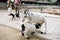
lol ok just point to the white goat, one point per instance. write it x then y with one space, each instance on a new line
28 29
35 17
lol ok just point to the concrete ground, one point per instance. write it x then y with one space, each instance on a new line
53 27
8 33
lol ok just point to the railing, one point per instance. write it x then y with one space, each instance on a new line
55 10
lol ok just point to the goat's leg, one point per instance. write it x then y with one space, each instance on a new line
41 32
45 27
12 18
25 34
22 33
38 30
23 19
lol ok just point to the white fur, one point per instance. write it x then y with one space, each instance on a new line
29 28
36 17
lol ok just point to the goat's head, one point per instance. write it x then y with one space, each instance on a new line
26 12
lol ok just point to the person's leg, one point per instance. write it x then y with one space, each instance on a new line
12 5
12 17
15 8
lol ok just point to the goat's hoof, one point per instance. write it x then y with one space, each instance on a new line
22 34
41 32
28 38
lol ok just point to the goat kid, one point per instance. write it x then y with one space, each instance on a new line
29 29
14 15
